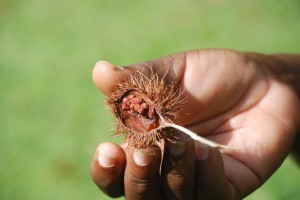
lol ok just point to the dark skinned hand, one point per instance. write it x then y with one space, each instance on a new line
233 99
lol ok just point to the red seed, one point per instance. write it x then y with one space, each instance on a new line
144 105
132 106
136 107
125 107
125 100
137 101
128 103
131 96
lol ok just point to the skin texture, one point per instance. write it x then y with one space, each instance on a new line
235 99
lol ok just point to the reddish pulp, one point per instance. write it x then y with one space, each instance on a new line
136 105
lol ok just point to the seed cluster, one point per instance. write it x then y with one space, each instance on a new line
136 105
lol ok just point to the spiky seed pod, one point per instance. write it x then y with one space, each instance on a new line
140 104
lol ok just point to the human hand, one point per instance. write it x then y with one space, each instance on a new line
233 99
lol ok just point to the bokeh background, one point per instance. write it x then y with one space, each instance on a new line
51 115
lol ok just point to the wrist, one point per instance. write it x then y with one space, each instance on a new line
291 63
287 68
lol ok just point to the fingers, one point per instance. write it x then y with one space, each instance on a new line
178 170
107 169
211 182
139 181
141 178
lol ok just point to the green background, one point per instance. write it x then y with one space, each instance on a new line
51 115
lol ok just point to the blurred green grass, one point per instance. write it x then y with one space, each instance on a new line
51 115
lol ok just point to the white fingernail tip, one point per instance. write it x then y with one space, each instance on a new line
105 159
176 149
142 158
202 151
102 62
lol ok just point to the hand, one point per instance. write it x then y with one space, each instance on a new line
233 99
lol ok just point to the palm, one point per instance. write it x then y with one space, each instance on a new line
234 102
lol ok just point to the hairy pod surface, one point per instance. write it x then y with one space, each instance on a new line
140 104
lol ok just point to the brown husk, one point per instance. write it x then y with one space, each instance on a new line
164 99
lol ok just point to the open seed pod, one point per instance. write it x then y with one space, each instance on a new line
146 108
140 104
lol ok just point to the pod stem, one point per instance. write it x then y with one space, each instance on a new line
194 135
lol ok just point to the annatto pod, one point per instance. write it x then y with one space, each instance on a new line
146 108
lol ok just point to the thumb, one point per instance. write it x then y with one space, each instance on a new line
172 67
105 75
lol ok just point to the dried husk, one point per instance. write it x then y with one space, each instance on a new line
165 99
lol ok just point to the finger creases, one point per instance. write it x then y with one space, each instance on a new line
108 167
141 178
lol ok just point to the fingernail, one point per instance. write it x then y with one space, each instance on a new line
142 158
106 158
202 151
176 148
102 62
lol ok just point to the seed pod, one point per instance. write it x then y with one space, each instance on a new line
140 104
145 109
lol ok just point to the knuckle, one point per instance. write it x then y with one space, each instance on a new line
109 185
136 184
111 189
175 178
